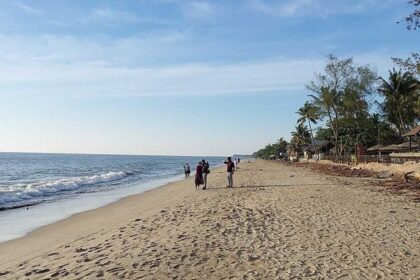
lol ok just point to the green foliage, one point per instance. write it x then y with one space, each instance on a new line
272 149
309 113
401 100
341 100
344 95
341 93
300 136
378 131
324 133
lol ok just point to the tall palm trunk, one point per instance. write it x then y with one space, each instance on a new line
312 137
402 124
335 133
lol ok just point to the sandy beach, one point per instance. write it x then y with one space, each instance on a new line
279 222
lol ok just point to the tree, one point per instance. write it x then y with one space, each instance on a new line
309 113
401 99
411 64
327 102
281 145
327 89
341 93
378 131
413 19
272 149
355 104
300 136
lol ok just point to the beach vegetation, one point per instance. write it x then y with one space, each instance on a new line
309 113
300 136
275 149
343 93
356 107
401 95
352 106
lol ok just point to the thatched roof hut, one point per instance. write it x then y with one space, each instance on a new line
321 146
376 148
412 133
399 148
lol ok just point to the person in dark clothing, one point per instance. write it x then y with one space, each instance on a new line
198 175
187 170
230 167
206 171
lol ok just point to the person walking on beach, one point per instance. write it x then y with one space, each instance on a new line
199 175
206 171
230 167
187 170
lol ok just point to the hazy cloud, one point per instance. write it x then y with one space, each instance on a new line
27 8
321 8
199 79
111 16
198 9
69 66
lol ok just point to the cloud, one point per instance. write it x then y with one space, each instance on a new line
198 10
27 8
194 79
111 16
65 65
317 8
69 66
288 8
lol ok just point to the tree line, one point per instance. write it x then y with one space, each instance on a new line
353 105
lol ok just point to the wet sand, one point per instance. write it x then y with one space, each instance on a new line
279 222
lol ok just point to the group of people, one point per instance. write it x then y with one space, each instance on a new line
203 169
201 172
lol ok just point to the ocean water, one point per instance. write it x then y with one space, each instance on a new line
37 189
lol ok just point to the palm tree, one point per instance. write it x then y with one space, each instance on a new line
327 101
281 145
309 113
401 92
300 136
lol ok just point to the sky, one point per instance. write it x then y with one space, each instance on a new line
168 77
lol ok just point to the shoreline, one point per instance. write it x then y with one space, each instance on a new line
26 219
37 235
66 207
277 222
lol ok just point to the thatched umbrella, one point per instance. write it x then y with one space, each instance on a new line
375 148
414 132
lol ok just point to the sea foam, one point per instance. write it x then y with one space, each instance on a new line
37 190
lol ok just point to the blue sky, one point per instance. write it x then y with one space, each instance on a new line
176 77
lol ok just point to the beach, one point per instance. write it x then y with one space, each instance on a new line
278 222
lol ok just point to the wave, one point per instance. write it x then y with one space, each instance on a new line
18 195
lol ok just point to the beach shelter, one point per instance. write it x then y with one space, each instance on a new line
412 133
375 149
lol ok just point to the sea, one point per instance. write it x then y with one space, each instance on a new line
38 189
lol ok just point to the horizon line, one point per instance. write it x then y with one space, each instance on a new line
116 154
